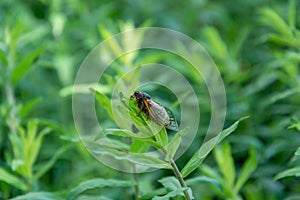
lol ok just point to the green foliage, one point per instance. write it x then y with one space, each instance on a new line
206 148
255 45
97 183
295 171
38 195
12 180
230 182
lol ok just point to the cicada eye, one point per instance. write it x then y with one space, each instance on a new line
140 94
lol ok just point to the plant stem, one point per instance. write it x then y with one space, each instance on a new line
180 179
12 120
136 179
10 95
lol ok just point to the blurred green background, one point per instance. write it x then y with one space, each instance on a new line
255 44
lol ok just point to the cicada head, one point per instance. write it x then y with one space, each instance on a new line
140 95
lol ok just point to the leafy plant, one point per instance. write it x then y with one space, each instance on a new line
229 181
294 171
157 137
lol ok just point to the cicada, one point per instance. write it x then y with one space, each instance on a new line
155 111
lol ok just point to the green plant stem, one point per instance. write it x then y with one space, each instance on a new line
10 95
12 120
180 179
136 179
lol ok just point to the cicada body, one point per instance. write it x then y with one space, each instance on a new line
155 111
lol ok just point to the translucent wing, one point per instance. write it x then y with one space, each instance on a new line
162 115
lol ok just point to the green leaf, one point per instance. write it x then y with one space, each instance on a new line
281 95
106 142
248 167
207 147
290 172
98 183
293 197
27 107
172 147
12 180
139 146
34 149
126 133
3 57
170 183
46 166
296 154
204 179
161 137
292 13
93 197
151 194
270 18
295 123
217 45
225 163
23 67
104 101
214 174
170 195
39 196
141 159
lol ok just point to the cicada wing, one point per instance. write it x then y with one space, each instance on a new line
172 120
158 113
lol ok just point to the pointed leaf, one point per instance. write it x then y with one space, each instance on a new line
127 133
206 148
172 147
292 14
24 66
139 146
3 57
12 179
39 196
170 183
170 195
151 194
248 167
273 20
124 133
137 158
104 101
290 172
46 166
204 179
225 163
98 183
27 107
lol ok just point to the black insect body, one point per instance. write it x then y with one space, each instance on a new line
155 111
